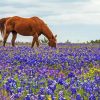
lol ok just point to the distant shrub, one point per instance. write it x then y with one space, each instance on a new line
67 41
94 41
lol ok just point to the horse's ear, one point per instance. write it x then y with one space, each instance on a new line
55 36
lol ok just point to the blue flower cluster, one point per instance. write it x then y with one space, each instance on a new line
57 73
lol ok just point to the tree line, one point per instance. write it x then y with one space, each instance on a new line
94 41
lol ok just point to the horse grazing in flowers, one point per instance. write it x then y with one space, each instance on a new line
33 26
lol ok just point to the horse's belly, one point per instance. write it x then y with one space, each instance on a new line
24 30
25 33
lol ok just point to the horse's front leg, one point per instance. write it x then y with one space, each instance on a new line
37 43
5 38
14 34
35 39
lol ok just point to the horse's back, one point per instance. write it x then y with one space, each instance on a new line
23 26
16 20
32 20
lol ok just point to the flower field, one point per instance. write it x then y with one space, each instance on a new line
68 72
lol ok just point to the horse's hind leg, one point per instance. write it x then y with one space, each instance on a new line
14 35
5 38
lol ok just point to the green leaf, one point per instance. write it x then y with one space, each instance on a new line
16 77
85 98
24 94
18 84
81 92
67 94
0 77
68 80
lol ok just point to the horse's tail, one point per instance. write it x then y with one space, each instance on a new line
2 30
2 25
2 34
2 22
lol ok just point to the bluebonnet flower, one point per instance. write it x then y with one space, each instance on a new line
11 91
49 91
61 95
72 81
53 97
27 97
16 96
71 74
41 97
20 67
52 87
10 80
50 82
42 91
73 90
92 97
27 87
60 81
7 87
88 89
65 84
97 79
78 97
20 89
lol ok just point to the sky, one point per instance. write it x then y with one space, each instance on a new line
73 20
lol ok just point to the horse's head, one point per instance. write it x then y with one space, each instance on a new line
52 42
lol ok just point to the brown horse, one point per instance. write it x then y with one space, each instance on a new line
33 26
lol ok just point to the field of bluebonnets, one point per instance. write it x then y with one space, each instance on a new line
68 72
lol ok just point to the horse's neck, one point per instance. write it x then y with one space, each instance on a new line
47 32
